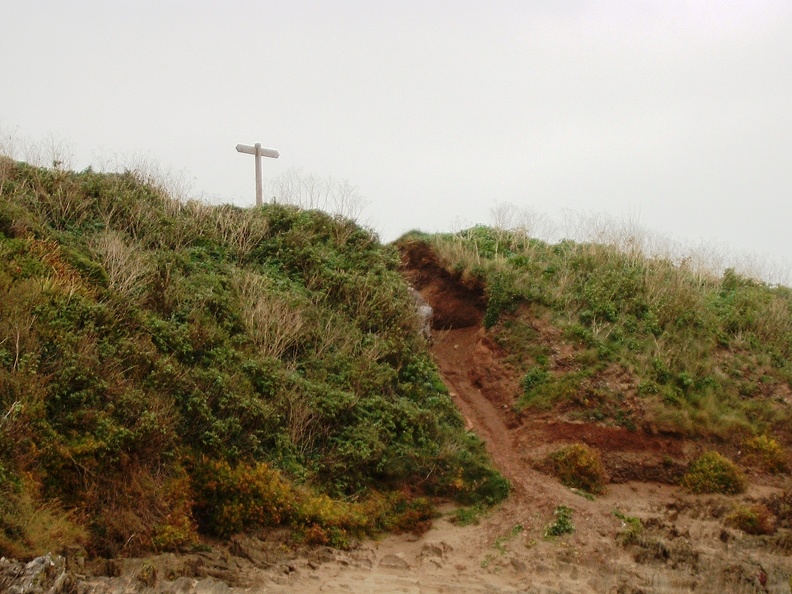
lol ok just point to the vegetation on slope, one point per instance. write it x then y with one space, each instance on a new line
168 367
603 333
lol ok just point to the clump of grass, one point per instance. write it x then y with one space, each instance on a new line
632 528
562 524
30 527
579 466
500 542
713 473
767 453
465 516
752 519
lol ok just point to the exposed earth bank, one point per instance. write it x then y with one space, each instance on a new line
684 544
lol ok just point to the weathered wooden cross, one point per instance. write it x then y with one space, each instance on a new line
258 152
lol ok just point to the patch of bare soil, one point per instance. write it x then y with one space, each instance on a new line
685 543
456 304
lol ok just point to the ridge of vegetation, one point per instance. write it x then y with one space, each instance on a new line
602 333
169 368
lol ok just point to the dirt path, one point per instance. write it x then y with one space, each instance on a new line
453 352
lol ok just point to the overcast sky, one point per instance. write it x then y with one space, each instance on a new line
674 114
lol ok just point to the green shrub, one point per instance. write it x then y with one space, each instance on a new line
579 466
562 524
533 378
712 473
501 297
465 516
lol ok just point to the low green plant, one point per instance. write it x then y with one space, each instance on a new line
533 378
579 466
465 516
713 473
562 524
582 493
500 542
631 528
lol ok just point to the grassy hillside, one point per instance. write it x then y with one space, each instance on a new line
169 367
598 333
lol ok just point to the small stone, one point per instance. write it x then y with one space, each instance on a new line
394 562
432 550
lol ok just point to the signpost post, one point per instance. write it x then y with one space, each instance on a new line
258 152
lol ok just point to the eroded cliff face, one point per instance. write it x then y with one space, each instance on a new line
456 303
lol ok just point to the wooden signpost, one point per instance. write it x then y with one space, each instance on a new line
258 152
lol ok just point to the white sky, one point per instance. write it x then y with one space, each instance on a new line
675 114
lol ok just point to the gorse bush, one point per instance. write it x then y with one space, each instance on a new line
767 453
713 473
169 366
579 466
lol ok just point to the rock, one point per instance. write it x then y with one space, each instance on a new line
436 563
42 575
394 562
251 549
324 555
431 549
518 565
212 586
